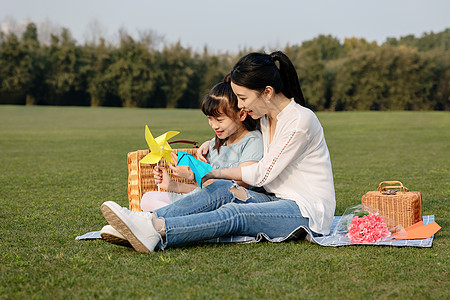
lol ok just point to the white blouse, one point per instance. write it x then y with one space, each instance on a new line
297 166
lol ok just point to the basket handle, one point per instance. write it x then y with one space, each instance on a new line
195 144
391 186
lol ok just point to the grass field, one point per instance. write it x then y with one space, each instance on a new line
58 164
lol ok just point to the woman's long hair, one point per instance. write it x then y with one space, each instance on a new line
256 71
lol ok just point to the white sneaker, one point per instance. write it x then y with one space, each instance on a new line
109 234
136 227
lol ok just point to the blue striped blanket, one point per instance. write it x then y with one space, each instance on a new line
304 233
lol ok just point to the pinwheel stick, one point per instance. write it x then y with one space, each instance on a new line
157 165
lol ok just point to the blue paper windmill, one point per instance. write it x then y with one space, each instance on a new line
199 168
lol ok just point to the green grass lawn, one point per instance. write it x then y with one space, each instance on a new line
58 164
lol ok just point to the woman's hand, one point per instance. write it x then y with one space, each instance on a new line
202 152
162 178
229 174
181 171
209 176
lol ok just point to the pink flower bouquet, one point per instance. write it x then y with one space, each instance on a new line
370 228
364 224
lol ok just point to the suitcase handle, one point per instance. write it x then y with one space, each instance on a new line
195 144
391 186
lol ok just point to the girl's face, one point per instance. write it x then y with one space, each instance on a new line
250 100
224 126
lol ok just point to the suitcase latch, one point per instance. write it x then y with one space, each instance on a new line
390 192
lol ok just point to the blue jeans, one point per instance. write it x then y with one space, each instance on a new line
215 211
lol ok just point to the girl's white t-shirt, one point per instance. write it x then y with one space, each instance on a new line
296 165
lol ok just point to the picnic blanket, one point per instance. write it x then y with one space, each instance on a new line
304 233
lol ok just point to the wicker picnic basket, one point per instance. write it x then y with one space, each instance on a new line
395 201
140 176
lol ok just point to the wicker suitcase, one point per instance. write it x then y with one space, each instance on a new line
140 176
395 201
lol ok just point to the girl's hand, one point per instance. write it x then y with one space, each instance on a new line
162 178
202 152
181 171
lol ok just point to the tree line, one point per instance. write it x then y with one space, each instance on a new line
408 73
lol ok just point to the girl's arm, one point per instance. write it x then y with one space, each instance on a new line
180 171
162 178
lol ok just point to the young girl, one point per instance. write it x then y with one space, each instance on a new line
237 143
295 171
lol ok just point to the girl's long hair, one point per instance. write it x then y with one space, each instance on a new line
222 99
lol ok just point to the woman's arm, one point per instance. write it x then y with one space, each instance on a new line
246 163
289 147
202 152
230 174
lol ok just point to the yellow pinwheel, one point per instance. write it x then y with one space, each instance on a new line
159 147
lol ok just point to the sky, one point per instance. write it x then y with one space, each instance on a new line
234 25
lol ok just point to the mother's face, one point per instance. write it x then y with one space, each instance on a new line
250 100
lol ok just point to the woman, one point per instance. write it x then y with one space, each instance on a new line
295 171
